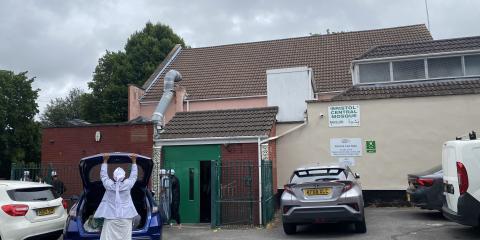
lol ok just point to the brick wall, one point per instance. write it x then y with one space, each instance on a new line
239 182
63 147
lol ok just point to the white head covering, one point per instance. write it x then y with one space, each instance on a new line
118 176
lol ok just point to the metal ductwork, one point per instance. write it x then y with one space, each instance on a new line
158 119
158 116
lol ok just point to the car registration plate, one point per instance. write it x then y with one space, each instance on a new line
45 211
317 191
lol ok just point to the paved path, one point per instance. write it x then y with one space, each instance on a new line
382 224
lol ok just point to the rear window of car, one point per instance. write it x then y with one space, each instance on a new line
312 174
32 194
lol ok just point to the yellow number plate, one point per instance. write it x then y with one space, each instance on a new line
45 211
317 191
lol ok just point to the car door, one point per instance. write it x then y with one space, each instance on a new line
450 179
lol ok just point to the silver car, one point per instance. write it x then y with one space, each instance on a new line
323 194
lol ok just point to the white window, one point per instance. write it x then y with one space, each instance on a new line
445 67
409 70
472 65
374 72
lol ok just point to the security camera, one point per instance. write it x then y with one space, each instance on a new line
321 115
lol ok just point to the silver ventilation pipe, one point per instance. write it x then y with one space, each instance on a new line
158 119
158 116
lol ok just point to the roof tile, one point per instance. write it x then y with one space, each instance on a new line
239 70
221 123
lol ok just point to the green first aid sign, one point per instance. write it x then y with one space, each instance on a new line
371 146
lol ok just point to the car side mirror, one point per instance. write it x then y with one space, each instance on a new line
357 176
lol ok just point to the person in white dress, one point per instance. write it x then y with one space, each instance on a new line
117 206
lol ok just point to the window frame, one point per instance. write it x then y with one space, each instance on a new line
356 64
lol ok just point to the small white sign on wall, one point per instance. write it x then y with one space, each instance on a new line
344 116
346 161
345 147
265 152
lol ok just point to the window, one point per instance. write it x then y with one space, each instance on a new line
472 65
409 70
374 72
425 68
32 194
445 67
191 182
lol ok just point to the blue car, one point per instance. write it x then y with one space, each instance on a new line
148 226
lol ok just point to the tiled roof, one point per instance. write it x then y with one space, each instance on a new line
239 70
411 89
221 123
437 46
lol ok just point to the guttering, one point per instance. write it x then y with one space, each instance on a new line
209 140
285 133
454 53
163 69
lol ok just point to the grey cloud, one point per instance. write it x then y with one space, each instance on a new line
60 41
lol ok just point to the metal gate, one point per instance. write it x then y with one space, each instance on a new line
235 191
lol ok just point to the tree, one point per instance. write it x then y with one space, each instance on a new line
59 111
19 133
144 50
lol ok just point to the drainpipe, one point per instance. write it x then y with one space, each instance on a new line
260 142
260 181
158 119
285 133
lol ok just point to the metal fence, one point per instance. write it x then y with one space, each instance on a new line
67 173
236 192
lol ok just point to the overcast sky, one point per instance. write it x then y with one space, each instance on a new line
59 42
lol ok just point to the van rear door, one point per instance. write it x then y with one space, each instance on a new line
450 179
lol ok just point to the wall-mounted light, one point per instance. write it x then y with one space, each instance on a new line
98 136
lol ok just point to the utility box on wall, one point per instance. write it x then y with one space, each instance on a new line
289 88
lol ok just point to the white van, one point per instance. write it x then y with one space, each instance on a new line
461 167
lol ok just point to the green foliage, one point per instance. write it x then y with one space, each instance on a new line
19 133
144 51
59 111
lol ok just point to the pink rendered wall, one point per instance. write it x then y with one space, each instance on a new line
146 109
226 104
134 93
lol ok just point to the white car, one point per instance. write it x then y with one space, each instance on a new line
461 167
30 210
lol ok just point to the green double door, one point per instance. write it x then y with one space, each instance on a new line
192 167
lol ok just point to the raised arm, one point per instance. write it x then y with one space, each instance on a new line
133 173
107 182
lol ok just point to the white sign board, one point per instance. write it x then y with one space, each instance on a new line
344 116
264 149
346 147
347 161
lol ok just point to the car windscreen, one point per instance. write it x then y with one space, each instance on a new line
94 174
32 194
309 175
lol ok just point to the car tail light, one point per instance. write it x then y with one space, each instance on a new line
288 188
65 204
462 177
347 185
15 210
426 182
